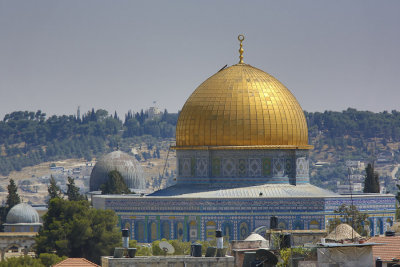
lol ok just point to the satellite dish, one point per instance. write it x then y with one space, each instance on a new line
266 256
166 247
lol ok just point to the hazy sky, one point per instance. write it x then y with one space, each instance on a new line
121 55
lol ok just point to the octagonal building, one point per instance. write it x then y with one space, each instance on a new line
242 157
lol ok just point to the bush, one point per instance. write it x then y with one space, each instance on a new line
49 259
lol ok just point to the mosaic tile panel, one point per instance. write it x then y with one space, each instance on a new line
254 167
242 168
302 167
228 168
186 167
279 166
202 167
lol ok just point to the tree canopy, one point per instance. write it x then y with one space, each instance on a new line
30 138
74 229
44 260
115 184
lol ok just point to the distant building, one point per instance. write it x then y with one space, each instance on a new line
153 112
357 164
345 188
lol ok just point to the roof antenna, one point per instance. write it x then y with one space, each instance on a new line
241 38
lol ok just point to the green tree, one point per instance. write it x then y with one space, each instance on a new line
12 197
53 189
115 184
25 261
73 191
371 183
352 216
49 259
74 229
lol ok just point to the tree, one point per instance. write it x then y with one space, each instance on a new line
74 229
12 197
352 216
115 184
53 189
73 191
371 184
24 261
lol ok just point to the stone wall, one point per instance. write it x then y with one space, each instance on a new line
173 261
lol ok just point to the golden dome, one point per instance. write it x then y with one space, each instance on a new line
241 107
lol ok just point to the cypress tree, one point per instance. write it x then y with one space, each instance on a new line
115 184
53 189
13 197
73 191
371 183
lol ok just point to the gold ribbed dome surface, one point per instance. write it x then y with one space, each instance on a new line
242 106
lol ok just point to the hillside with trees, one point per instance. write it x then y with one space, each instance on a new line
29 138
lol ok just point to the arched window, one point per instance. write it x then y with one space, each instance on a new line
193 231
210 230
227 231
314 225
153 231
165 230
243 231
139 231
179 231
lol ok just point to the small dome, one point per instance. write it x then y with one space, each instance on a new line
242 106
343 232
22 213
126 165
255 237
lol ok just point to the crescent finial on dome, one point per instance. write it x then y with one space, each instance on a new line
241 38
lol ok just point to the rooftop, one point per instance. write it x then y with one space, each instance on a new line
76 262
390 248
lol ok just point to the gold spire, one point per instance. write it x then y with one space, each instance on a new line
241 38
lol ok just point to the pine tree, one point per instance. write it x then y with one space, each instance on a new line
73 191
53 189
13 197
371 183
115 184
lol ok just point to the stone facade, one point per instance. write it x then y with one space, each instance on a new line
190 219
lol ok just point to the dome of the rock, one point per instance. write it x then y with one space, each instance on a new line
126 165
242 106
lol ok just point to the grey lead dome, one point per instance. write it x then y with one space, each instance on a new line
126 165
22 213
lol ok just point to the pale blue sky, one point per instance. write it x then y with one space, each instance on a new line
121 55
